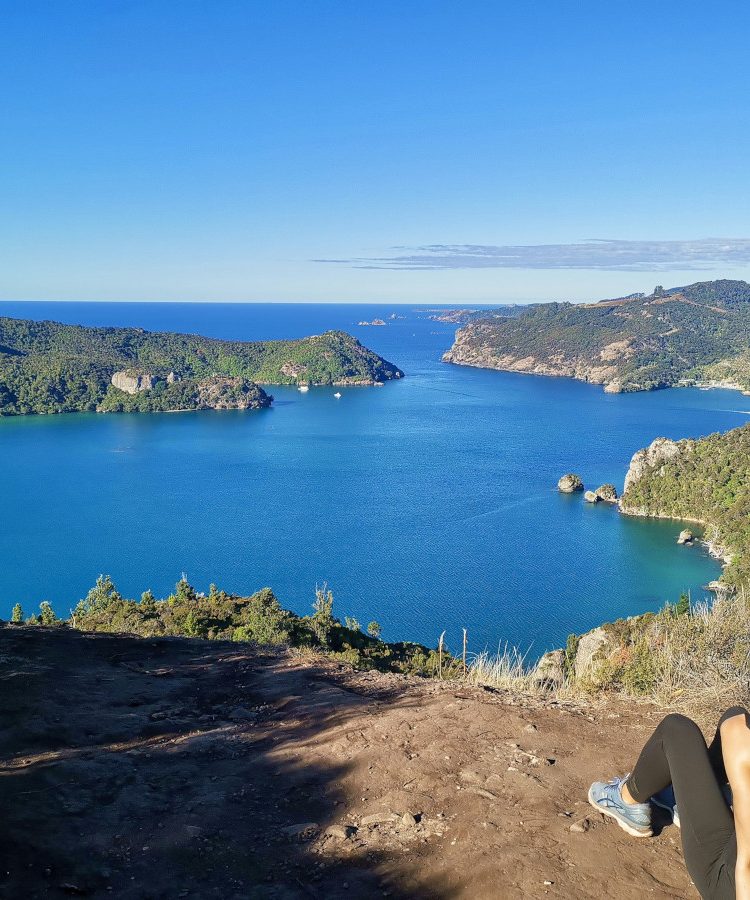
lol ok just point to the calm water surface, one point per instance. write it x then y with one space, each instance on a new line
427 504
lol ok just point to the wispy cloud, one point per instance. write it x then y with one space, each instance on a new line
609 255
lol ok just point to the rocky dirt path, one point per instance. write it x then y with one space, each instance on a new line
175 768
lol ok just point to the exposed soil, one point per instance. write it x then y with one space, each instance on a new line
177 768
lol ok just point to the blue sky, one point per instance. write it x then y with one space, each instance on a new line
354 150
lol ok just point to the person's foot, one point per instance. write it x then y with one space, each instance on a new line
665 800
635 818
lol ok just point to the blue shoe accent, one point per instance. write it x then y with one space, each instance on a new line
665 800
635 818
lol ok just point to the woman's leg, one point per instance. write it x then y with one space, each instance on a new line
677 753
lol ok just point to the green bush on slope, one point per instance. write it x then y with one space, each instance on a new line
259 618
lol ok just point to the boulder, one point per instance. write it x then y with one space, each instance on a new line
589 647
591 497
133 382
550 670
570 483
607 493
685 536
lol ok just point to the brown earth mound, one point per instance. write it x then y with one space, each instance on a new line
174 768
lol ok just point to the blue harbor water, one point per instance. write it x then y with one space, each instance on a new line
426 504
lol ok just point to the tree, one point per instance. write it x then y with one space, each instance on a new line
373 629
184 591
322 620
682 607
148 603
47 615
352 624
17 614
102 594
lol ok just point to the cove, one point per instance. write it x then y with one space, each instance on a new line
426 504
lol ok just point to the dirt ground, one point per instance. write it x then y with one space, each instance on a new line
175 768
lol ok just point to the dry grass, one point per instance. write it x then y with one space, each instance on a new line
508 670
697 663
703 659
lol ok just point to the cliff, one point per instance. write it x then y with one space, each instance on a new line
47 367
696 333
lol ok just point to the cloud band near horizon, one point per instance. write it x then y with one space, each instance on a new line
596 254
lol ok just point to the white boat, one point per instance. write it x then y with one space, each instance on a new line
337 395
304 388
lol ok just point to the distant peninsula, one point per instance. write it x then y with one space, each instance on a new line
697 334
48 367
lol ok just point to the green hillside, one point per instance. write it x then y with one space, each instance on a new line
47 367
696 333
706 479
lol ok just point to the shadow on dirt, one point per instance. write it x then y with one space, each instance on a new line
181 768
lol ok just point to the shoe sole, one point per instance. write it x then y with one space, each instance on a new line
633 832
666 808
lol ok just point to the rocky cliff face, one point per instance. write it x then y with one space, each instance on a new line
222 392
133 382
475 345
658 452
136 393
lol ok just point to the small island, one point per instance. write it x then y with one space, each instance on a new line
374 322
48 367
570 483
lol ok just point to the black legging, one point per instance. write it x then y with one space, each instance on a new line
676 753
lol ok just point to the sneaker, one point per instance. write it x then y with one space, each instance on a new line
635 818
665 800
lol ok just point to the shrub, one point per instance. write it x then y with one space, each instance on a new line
47 614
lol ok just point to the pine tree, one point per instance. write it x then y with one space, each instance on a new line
17 614
47 615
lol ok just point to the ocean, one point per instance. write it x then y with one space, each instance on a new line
427 504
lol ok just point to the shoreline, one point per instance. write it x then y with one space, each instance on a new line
708 540
608 387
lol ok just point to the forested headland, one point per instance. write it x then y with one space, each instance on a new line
48 367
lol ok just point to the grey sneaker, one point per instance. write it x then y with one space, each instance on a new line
635 818
665 800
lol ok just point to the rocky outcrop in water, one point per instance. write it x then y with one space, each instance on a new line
607 493
685 536
591 497
570 483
